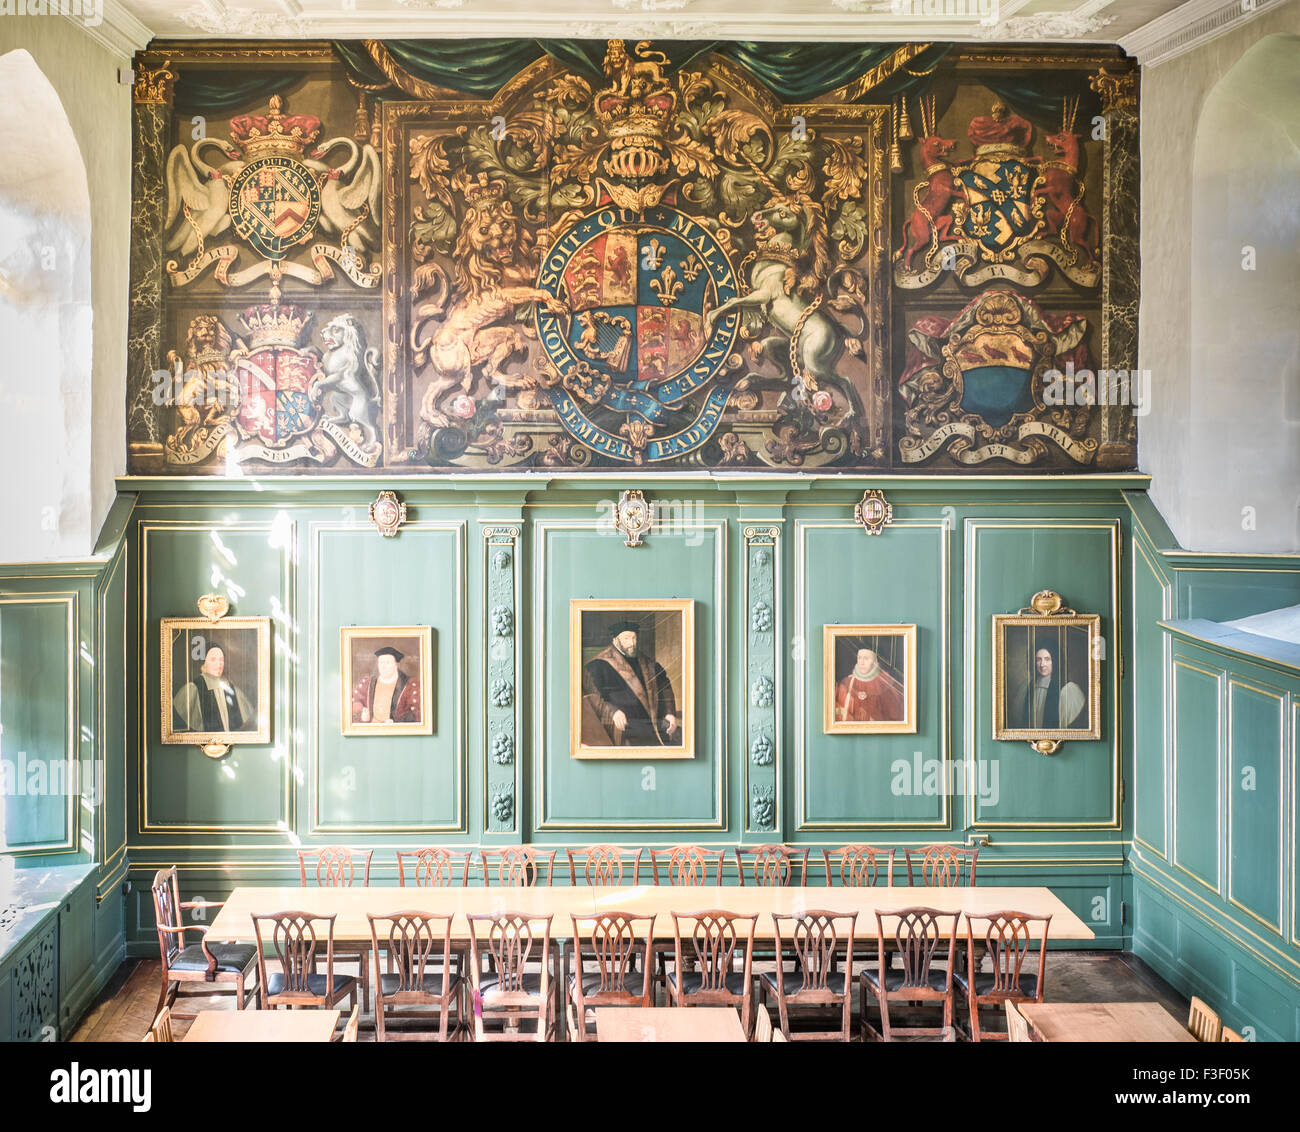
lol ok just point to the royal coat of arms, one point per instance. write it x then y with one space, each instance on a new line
268 398
668 269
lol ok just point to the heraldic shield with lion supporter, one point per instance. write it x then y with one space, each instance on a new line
655 264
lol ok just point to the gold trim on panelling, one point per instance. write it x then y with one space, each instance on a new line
803 718
101 736
458 651
1166 658
971 539
1292 789
1292 976
285 680
72 819
540 753
1280 697
1218 678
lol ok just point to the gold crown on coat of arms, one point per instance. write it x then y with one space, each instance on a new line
274 133
273 324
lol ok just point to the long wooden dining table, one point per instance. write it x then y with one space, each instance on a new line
350 906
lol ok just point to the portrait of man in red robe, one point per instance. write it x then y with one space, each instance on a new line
869 694
869 679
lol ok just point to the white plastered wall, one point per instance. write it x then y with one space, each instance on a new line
1221 173
64 258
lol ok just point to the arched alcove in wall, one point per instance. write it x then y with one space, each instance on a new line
1242 478
45 322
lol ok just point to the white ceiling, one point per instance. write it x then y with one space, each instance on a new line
1152 30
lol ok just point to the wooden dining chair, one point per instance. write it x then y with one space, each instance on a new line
502 948
517 866
1231 1035
351 1030
611 953
1007 941
687 865
918 936
423 972
762 1025
295 942
1017 1023
772 866
819 975
335 866
215 967
942 866
605 865
432 867
161 1030
859 866
1205 1025
705 972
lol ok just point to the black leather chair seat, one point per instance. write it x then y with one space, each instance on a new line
316 984
530 984
229 956
693 981
634 983
984 983
937 980
389 984
793 982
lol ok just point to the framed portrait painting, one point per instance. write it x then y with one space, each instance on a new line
632 679
387 680
869 679
1047 677
216 681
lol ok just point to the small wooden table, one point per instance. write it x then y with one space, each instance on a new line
668 1024
1104 1022
262 1026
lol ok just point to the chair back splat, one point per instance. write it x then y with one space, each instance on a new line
687 865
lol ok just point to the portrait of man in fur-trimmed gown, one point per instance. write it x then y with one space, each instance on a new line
628 699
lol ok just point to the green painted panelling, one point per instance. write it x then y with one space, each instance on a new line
848 578
246 561
1256 819
1198 772
1009 563
34 739
585 561
115 673
1227 594
409 781
1152 595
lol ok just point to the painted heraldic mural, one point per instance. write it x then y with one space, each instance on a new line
512 254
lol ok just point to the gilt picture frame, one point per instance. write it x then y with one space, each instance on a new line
386 671
869 679
215 681
632 678
1047 675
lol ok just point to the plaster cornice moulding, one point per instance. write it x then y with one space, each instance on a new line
1190 25
120 32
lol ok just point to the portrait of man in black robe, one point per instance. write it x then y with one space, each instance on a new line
628 698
